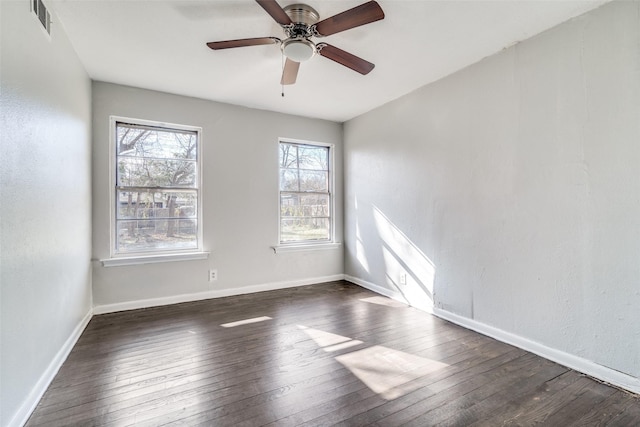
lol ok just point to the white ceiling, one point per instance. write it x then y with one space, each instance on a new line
160 45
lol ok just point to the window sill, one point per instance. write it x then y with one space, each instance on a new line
152 259
305 247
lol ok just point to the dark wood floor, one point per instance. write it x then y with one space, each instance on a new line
316 355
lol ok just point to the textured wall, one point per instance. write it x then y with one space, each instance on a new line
509 192
45 201
240 197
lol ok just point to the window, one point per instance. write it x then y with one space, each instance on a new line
157 188
306 202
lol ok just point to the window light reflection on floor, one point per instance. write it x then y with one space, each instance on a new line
388 302
385 371
327 341
245 322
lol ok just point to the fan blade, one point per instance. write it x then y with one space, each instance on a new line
243 42
345 58
276 12
290 72
359 15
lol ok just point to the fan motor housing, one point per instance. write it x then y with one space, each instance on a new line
302 14
297 46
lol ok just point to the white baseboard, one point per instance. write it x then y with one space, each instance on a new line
602 373
593 369
29 404
376 288
217 293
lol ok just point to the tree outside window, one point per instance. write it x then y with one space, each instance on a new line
305 193
156 189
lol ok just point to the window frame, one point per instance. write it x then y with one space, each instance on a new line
141 257
308 244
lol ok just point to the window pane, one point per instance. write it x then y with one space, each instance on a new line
141 172
288 156
316 158
156 234
305 199
150 162
143 141
156 205
314 181
298 229
304 205
288 180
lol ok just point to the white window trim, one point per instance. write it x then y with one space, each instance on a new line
130 258
320 246
308 245
152 259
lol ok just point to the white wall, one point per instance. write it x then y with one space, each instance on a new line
45 206
240 200
515 183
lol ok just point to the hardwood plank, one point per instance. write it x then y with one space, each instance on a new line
607 411
629 417
431 380
195 403
589 397
503 383
421 388
137 369
329 354
257 405
447 389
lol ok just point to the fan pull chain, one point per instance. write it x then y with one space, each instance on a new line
282 73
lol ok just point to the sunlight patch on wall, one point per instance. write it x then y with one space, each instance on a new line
386 371
245 322
408 269
411 291
361 254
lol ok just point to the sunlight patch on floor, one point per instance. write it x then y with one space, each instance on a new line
328 341
384 301
342 346
245 322
386 371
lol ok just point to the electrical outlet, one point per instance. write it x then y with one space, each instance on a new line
213 275
403 278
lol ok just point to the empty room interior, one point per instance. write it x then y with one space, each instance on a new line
260 212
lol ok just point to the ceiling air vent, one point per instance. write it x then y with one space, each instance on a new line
42 13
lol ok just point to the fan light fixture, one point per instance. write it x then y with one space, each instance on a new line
298 50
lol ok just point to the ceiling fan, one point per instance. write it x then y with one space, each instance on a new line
300 23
